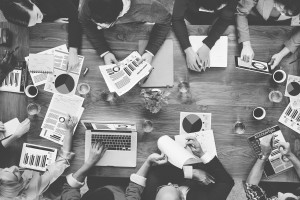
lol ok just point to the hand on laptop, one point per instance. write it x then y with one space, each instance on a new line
96 153
192 60
157 159
109 59
204 56
194 145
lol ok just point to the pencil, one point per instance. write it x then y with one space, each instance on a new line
5 138
294 60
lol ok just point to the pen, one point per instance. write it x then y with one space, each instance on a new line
294 60
85 71
5 138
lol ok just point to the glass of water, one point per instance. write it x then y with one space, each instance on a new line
83 88
239 127
275 96
147 126
33 109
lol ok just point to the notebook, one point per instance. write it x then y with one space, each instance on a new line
163 73
39 63
218 53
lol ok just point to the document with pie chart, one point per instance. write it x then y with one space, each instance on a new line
292 87
194 122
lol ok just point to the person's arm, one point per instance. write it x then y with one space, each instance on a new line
138 180
226 17
179 26
95 36
285 149
74 181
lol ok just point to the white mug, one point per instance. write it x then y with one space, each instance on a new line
261 116
31 91
281 80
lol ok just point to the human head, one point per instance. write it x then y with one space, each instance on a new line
100 193
21 12
11 182
168 192
105 11
288 7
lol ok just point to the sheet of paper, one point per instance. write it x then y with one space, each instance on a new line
295 102
60 68
58 136
295 20
177 155
41 78
41 63
58 110
219 52
10 127
205 138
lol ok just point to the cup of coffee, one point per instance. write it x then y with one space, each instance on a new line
259 113
31 91
279 76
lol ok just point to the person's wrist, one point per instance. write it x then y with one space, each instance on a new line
200 154
72 50
188 50
246 44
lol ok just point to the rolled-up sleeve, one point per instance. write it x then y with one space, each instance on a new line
294 42
244 7
135 187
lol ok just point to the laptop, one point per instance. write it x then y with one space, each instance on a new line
276 163
120 139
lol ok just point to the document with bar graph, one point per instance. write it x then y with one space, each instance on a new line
126 74
277 163
37 157
291 118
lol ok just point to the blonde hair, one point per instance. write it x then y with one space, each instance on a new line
11 189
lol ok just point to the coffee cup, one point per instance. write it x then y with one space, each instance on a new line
279 76
31 91
259 113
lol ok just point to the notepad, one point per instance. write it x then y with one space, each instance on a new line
40 63
10 127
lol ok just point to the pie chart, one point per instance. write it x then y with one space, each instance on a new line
64 84
192 123
293 88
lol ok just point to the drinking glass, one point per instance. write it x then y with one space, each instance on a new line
83 88
239 127
183 87
147 126
184 93
33 109
275 96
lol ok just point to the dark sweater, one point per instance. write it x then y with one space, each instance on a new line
140 11
226 17
55 9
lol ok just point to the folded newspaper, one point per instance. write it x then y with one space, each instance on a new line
121 77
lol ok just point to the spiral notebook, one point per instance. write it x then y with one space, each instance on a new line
39 63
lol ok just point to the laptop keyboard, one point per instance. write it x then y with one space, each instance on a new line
114 142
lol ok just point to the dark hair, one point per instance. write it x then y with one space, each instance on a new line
100 193
105 11
16 11
291 6
212 4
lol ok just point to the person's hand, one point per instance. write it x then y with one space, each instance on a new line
204 56
194 145
157 159
62 20
22 128
247 53
203 177
73 60
275 60
192 60
71 122
147 57
265 144
109 59
285 148
96 153
2 128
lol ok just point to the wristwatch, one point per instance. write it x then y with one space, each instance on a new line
262 157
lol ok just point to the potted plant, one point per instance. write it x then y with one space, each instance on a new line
154 99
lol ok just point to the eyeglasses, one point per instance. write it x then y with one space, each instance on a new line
103 25
169 184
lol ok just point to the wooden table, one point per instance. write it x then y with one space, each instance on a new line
229 94
12 104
